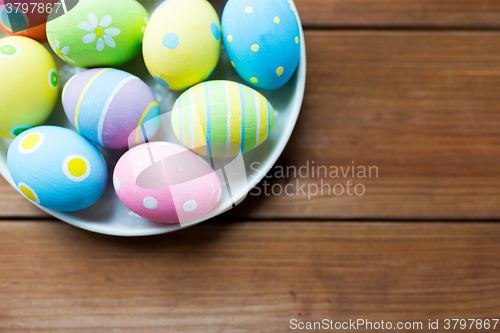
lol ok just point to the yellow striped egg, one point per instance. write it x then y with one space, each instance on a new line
182 43
29 86
222 118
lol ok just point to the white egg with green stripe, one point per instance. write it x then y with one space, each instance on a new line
222 118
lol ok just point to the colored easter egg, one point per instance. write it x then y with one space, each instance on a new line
167 183
182 43
110 107
262 40
98 33
222 118
26 18
57 168
29 86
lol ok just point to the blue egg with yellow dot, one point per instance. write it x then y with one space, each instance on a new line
262 40
57 168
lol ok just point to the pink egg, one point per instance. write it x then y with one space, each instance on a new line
167 183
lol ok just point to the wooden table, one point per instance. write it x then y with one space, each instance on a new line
411 87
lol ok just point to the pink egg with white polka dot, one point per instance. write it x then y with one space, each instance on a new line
164 182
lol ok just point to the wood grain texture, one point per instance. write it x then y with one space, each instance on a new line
423 107
400 14
245 277
426 14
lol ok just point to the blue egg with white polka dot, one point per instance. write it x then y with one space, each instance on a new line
57 168
262 40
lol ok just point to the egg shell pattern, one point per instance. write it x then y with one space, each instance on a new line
98 33
262 39
29 86
222 118
57 168
167 183
110 107
182 43
31 24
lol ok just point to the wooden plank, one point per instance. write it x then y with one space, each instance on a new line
402 14
395 13
245 277
422 107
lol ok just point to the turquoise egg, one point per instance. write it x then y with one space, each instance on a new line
57 168
262 40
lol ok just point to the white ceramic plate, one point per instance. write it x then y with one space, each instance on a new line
109 215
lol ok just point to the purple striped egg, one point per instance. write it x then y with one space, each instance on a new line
111 108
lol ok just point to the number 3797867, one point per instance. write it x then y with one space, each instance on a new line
470 324
32 7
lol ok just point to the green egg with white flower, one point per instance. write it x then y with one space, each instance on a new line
98 33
